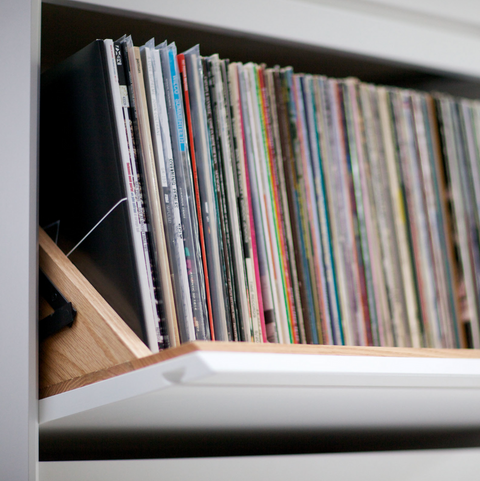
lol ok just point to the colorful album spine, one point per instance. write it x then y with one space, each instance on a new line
188 116
282 206
239 220
251 221
210 102
303 195
375 106
317 145
458 179
256 220
408 162
209 212
339 208
186 196
355 165
287 166
221 117
295 170
336 208
244 203
155 233
258 278
135 197
147 53
418 216
366 134
324 324
289 331
368 159
446 231
434 220
268 114
170 204
361 324
252 144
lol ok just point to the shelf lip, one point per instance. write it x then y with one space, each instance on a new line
316 349
245 348
202 366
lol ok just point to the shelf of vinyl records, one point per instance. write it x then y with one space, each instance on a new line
285 236
254 204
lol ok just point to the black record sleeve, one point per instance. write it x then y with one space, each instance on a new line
81 180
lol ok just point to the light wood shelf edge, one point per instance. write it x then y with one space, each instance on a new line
242 347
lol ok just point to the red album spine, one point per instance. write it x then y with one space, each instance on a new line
183 72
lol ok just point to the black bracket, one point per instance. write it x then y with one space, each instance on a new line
64 313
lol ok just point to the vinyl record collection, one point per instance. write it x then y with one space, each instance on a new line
270 206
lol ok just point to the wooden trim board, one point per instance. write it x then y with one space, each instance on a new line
297 349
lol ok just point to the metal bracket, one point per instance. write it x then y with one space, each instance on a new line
64 313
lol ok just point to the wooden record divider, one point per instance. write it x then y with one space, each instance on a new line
100 345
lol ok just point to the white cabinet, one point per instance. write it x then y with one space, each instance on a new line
19 57
391 41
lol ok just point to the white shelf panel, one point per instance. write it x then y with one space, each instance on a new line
434 465
379 29
223 390
465 12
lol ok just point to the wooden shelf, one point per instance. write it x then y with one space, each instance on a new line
100 346
207 388
114 384
247 348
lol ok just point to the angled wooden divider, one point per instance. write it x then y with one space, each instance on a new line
99 338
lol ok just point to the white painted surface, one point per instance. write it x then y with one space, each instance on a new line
19 60
218 390
383 30
464 11
454 14
446 465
